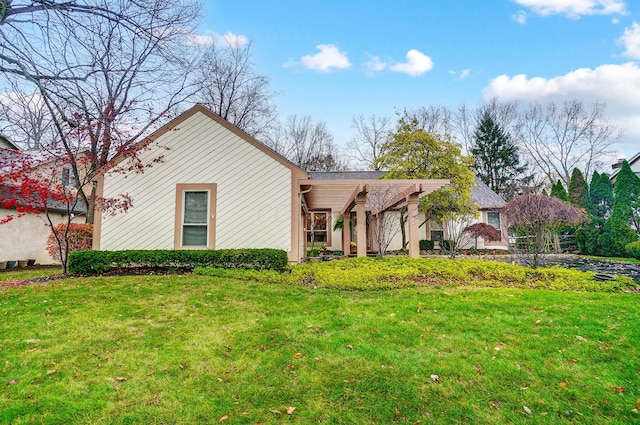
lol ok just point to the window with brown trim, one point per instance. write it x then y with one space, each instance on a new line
195 216
493 219
317 227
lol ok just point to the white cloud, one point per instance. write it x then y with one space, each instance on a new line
520 17
235 41
209 38
631 41
417 64
575 8
374 64
328 58
464 74
618 86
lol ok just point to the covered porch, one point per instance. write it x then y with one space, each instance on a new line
366 200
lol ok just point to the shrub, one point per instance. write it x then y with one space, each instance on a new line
426 245
79 237
96 262
447 244
633 249
401 272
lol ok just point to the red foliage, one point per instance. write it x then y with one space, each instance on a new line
538 211
484 231
79 237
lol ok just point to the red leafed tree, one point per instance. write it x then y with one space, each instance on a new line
58 180
533 218
484 231
79 237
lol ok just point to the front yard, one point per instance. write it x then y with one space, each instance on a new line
185 349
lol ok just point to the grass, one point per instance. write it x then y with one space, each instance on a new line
28 273
186 349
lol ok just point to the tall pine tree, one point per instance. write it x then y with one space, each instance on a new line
579 190
497 159
622 225
558 191
589 235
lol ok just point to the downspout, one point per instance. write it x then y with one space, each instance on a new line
304 243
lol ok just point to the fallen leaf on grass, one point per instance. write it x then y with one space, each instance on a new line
276 412
222 418
527 410
12 382
435 378
349 347
620 390
580 338
563 384
121 378
31 341
478 369
349 380
494 404
290 410
297 355
52 372
499 347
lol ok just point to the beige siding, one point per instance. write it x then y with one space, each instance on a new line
26 237
253 191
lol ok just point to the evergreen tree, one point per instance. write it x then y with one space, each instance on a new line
618 231
558 191
579 190
589 235
497 158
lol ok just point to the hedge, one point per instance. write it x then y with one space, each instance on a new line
426 245
633 249
97 262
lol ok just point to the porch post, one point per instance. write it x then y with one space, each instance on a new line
412 215
346 233
361 226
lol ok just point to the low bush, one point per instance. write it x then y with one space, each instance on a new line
633 249
397 272
78 235
97 262
426 245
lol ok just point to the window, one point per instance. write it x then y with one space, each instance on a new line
194 223
68 179
195 214
493 219
437 230
316 226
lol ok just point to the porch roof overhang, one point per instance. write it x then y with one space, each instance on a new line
342 195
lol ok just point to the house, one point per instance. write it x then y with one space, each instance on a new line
634 163
489 204
23 234
216 187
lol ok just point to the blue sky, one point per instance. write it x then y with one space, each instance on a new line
334 59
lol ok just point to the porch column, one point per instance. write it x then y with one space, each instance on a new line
361 226
412 215
346 233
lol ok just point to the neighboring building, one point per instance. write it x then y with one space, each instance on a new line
217 187
24 235
5 143
634 163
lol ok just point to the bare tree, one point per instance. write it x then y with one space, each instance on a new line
533 218
371 133
111 67
383 225
307 144
559 138
466 119
26 118
230 87
437 120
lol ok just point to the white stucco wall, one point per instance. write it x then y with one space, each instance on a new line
253 191
26 237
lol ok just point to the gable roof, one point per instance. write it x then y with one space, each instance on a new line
199 108
632 161
482 195
346 175
7 144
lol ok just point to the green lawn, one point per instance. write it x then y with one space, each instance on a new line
197 349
